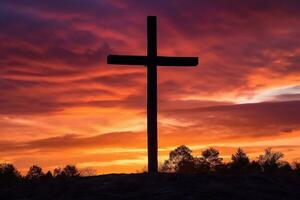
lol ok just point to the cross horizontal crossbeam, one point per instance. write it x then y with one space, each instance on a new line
146 60
152 61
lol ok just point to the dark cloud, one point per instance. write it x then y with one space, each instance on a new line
259 119
71 141
120 80
19 104
80 7
24 97
238 35
60 55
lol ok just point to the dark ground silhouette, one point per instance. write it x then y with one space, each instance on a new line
160 186
183 176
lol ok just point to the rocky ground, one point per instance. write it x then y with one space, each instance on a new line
160 186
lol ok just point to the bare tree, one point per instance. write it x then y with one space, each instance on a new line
88 171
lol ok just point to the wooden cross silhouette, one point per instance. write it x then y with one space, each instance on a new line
152 61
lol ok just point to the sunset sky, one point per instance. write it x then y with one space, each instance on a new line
61 103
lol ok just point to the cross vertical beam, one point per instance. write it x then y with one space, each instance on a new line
152 95
152 61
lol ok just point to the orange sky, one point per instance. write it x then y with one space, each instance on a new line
61 103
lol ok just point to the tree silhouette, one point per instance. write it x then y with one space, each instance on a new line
240 161
67 171
270 160
211 156
58 172
185 166
47 176
166 167
180 160
201 165
35 173
9 175
255 167
71 171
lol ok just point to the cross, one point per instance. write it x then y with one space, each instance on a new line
152 61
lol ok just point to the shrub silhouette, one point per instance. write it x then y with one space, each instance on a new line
270 160
240 161
35 173
9 175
